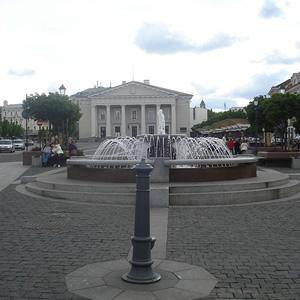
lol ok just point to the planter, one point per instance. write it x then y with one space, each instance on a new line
27 156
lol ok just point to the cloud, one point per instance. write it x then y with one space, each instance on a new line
270 10
203 91
298 45
260 85
219 103
158 39
23 73
279 58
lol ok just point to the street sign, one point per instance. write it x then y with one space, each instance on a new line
25 115
39 123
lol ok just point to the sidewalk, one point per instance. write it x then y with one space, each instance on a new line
9 172
253 251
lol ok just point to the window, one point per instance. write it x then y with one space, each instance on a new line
134 114
151 129
117 115
151 115
183 129
102 115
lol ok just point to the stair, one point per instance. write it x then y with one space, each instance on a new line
268 185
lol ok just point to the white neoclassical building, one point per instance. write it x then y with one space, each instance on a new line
13 113
131 109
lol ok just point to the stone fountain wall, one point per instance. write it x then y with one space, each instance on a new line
165 175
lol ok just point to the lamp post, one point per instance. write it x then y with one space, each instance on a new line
255 102
62 91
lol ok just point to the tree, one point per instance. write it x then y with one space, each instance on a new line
55 108
10 130
274 112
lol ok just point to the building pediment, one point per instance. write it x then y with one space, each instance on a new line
135 89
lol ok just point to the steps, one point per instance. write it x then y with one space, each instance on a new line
268 185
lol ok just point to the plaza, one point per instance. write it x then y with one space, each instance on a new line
252 250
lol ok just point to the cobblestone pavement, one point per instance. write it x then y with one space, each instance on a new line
254 250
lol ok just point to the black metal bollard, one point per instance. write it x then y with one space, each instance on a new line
141 262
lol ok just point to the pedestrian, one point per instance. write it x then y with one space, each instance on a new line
57 154
72 148
46 153
237 145
244 147
230 145
224 139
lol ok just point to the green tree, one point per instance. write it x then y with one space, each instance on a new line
5 129
262 122
274 112
57 109
10 130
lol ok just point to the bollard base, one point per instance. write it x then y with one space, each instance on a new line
155 278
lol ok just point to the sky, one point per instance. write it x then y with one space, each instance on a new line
225 52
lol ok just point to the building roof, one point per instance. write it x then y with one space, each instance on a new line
281 86
227 125
99 90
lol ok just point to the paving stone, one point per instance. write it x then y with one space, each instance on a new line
253 248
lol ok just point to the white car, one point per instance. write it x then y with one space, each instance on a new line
6 146
19 144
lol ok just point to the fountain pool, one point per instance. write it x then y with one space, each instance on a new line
175 158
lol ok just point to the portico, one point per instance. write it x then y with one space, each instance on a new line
131 119
130 109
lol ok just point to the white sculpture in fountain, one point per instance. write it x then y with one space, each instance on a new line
161 122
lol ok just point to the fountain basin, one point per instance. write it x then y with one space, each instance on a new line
168 171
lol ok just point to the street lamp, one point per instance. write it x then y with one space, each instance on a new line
62 90
255 102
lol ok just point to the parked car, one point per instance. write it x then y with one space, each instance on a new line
7 146
19 144
29 142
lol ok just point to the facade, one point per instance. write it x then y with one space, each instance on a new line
291 85
130 109
198 114
13 114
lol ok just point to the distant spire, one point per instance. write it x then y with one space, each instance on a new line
202 104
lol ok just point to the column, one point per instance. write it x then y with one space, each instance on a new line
123 120
173 119
143 119
108 122
157 109
93 120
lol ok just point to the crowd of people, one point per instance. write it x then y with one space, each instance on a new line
54 151
237 146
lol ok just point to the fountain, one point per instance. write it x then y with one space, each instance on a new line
176 158
172 147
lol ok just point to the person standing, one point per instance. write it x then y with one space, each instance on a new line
230 145
237 145
57 153
46 153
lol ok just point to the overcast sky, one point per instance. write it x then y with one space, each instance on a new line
224 51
